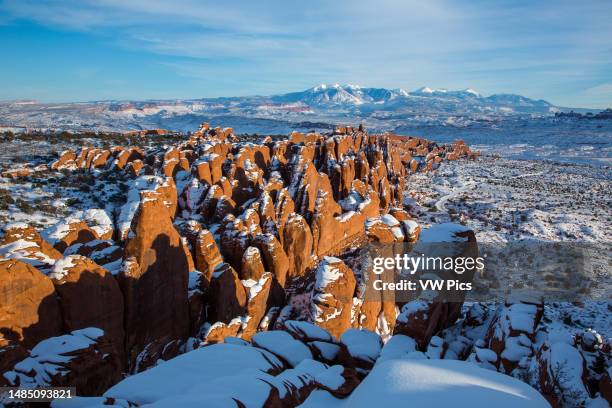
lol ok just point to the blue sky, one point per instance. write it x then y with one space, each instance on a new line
83 50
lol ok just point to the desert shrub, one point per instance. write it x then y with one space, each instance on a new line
24 206
73 201
5 199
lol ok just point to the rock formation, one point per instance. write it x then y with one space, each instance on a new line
237 254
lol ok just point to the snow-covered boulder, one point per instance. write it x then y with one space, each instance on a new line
283 345
70 360
433 383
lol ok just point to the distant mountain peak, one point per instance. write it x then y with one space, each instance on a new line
427 91
400 91
324 87
472 91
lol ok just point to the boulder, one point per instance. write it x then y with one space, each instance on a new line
421 320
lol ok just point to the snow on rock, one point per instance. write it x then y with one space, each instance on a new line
445 232
23 242
283 345
27 251
327 273
305 331
422 319
63 266
191 197
398 346
433 383
390 220
559 367
362 345
411 229
99 221
213 374
255 286
332 296
127 211
324 350
67 361
483 356
194 283
512 332
95 222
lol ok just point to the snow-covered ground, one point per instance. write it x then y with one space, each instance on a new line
504 200
507 201
432 383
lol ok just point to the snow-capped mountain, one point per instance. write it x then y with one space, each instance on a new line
445 93
341 95
319 106
351 95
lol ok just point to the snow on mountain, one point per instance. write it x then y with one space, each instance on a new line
379 108
324 95
517 100
445 93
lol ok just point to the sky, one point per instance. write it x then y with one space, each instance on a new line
83 50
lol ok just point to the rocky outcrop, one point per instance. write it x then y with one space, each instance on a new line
512 332
421 320
207 255
297 243
84 359
154 278
102 307
228 297
227 239
257 292
29 311
23 242
274 257
252 264
80 228
332 296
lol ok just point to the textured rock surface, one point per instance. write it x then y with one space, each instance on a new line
102 307
154 278
332 296
29 311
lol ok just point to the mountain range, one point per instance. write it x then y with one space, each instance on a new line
316 107
354 95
